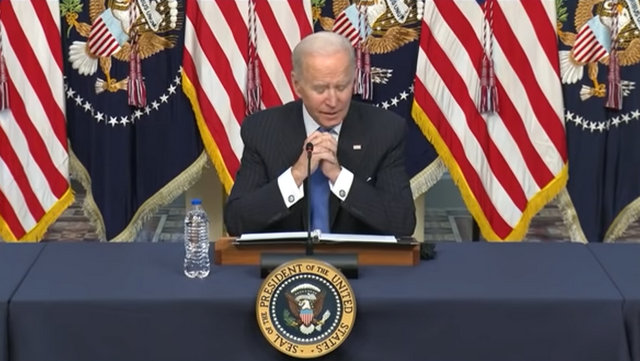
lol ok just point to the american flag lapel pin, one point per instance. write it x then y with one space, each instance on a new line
357 147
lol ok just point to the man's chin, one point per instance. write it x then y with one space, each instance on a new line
330 122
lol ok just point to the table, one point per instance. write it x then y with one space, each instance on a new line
622 264
15 260
480 301
475 301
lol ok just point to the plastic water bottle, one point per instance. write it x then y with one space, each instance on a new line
196 241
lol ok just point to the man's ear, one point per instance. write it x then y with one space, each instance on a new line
296 83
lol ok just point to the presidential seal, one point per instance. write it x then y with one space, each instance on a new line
305 308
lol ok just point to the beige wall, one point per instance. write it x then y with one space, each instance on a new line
209 189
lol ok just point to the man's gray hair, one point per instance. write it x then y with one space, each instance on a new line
321 43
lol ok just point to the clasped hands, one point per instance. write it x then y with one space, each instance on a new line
325 150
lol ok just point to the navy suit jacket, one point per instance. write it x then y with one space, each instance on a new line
371 146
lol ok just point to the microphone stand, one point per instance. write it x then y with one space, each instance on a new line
346 262
309 245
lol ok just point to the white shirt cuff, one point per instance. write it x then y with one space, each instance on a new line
342 185
290 192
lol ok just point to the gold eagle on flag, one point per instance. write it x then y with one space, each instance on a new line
394 23
591 44
114 26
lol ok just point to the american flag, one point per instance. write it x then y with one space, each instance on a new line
215 67
34 180
508 164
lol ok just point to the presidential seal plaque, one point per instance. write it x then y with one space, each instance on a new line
305 308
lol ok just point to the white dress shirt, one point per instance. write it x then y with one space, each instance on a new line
291 193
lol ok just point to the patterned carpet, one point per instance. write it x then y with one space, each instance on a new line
455 224
451 224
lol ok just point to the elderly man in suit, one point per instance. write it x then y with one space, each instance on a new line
357 155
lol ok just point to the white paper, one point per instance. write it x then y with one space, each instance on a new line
271 236
322 237
369 238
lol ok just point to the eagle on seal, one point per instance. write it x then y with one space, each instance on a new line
306 305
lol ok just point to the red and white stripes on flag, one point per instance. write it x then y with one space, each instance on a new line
106 36
592 42
352 24
347 24
34 180
509 164
215 67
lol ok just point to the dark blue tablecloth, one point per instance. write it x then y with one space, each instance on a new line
480 301
475 301
622 264
15 260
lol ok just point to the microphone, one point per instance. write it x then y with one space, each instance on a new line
309 245
347 263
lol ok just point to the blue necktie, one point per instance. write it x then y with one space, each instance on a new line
319 189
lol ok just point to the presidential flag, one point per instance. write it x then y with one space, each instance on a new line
391 32
34 161
131 129
509 160
237 59
604 182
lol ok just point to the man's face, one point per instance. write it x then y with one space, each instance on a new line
325 87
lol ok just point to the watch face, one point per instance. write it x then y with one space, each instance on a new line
305 308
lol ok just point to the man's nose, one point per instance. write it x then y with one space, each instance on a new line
332 98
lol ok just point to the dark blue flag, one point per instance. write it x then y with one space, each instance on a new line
604 181
130 159
392 42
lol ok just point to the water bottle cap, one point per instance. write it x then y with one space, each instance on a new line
196 201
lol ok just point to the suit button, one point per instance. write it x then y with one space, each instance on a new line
342 193
291 198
